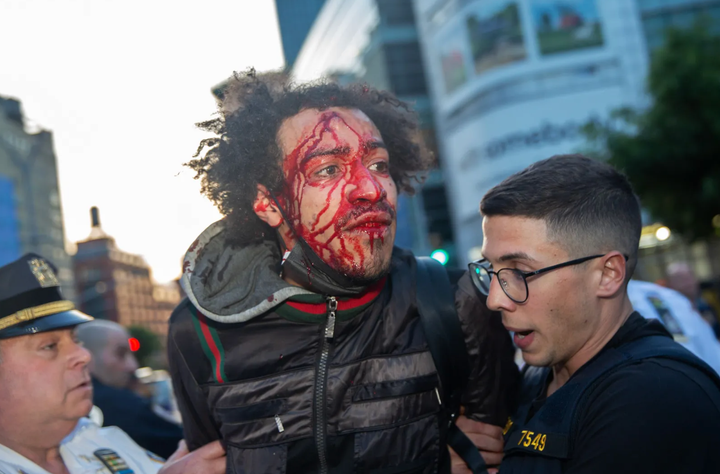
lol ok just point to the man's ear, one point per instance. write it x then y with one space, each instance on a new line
612 279
265 208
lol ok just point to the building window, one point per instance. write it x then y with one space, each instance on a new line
90 274
405 69
396 12
681 15
59 255
649 5
54 199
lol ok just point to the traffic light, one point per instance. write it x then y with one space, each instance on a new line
134 344
440 255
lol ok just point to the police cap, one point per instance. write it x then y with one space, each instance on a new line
30 299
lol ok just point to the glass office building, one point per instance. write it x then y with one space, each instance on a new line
9 231
295 18
30 209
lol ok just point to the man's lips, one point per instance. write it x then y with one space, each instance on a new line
376 220
512 329
83 385
522 337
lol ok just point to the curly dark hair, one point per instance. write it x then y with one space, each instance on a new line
245 151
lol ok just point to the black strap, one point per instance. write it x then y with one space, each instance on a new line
465 448
436 305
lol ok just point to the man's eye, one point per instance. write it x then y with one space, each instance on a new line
49 347
380 167
328 171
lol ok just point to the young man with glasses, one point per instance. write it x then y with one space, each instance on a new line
604 390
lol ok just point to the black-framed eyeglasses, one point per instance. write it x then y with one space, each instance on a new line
513 281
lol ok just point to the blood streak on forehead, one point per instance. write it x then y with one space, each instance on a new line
293 164
296 182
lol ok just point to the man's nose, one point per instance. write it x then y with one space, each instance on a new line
364 186
497 300
80 356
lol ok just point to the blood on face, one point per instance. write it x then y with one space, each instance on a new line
338 195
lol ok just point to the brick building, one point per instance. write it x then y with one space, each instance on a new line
118 286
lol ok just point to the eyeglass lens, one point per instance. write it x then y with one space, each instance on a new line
511 281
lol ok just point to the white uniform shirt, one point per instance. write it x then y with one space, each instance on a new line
77 453
679 318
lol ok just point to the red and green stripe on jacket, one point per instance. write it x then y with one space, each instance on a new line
307 308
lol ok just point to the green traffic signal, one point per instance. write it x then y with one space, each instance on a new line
440 255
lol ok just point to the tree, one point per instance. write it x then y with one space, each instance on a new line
671 150
150 344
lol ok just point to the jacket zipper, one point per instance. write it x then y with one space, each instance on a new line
321 375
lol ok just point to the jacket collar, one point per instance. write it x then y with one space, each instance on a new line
312 308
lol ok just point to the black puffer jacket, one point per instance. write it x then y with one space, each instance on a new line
287 397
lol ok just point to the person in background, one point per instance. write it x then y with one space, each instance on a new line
46 393
679 317
112 368
682 278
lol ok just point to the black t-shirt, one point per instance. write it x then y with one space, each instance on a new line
649 417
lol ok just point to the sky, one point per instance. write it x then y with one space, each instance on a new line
121 85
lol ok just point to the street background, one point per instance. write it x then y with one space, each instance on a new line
98 102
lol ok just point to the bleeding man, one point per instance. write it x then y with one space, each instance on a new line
300 343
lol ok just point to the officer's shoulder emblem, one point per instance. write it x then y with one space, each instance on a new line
113 461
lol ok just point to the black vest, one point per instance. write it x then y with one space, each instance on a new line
541 444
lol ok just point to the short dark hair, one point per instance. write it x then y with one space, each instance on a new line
245 151
588 206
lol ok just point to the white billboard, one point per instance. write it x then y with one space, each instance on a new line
514 80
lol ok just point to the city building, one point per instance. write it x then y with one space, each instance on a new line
295 18
118 286
514 80
30 211
376 42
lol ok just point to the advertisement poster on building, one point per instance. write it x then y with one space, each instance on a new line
452 61
495 34
566 25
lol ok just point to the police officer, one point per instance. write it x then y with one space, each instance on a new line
679 317
604 390
45 390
